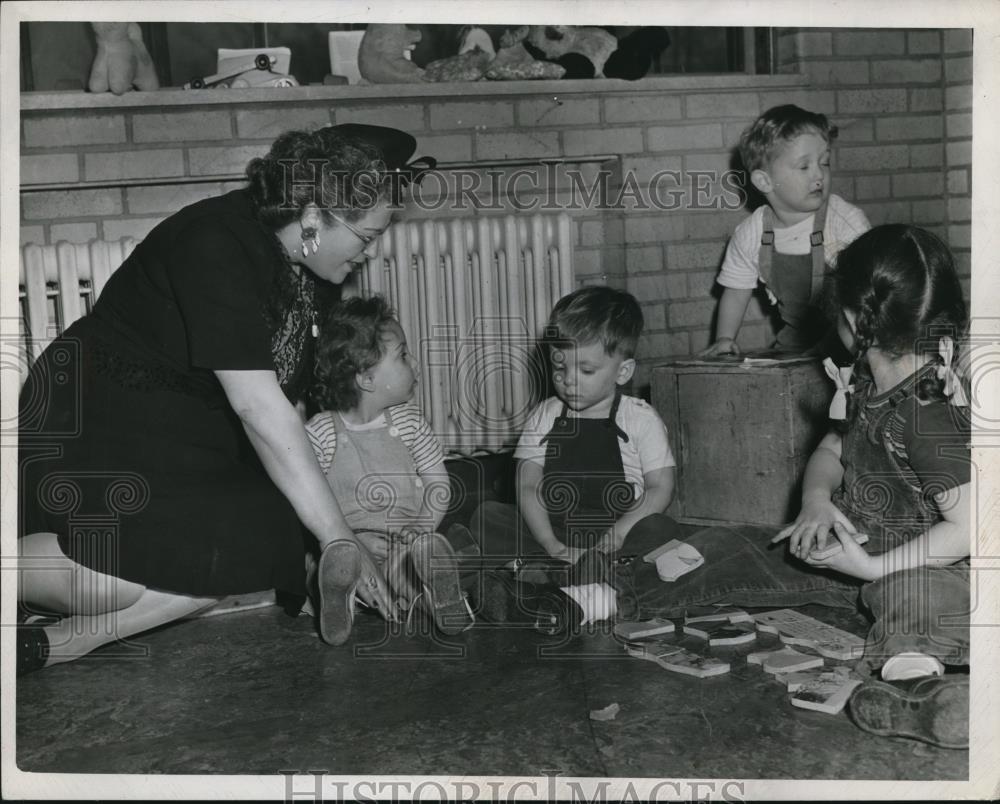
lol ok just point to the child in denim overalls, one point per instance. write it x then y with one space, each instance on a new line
386 469
786 243
897 469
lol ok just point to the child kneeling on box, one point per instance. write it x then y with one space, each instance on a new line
594 464
386 469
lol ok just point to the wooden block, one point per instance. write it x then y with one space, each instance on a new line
678 561
644 629
764 418
790 661
236 603
678 660
652 555
825 695
795 681
834 547
795 628
722 633
719 613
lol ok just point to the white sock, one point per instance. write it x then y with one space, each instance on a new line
908 665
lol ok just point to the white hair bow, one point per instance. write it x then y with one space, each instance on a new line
841 376
952 384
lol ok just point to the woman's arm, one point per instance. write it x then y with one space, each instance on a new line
944 543
277 434
656 496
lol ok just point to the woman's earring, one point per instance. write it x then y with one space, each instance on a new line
310 240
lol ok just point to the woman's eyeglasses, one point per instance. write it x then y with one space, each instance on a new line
365 237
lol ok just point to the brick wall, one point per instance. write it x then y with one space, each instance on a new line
902 100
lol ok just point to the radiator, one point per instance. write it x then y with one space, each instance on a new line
471 294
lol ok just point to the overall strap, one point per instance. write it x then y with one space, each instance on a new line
766 246
613 414
764 258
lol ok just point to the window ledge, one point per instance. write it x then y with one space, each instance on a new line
57 101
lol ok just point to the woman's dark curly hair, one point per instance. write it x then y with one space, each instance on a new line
900 283
340 173
350 343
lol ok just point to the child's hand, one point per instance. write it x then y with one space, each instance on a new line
377 544
723 346
406 535
568 554
812 526
853 560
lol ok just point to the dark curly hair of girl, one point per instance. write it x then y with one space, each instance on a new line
350 343
900 283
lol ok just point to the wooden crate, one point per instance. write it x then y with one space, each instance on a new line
742 433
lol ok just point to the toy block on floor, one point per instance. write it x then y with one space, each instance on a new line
677 561
827 695
795 628
236 603
717 613
679 660
722 633
833 547
644 629
785 660
795 681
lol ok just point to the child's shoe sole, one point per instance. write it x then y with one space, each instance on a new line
437 567
934 710
337 577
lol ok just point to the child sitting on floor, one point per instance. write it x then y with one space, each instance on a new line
786 243
594 464
897 470
386 469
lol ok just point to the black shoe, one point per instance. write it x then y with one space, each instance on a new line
933 709
506 600
32 648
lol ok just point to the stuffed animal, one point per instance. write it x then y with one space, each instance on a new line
554 41
381 58
122 60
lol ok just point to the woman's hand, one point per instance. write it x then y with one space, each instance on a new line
812 526
377 544
852 560
568 554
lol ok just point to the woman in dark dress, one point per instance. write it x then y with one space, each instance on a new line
163 461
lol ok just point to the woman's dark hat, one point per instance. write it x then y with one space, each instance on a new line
396 146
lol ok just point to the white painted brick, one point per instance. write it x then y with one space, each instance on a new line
929 155
923 43
683 138
958 181
869 43
472 115
181 126
677 285
73 232
117 228
516 145
688 256
648 286
151 163
926 99
959 209
959 125
866 187
700 284
167 199
855 129
887 212
650 108
838 72
906 71
815 43
960 235
269 123
32 234
716 225
723 104
842 185
445 147
49 168
871 101
65 131
602 141
881 157
927 213
910 127
958 153
958 97
645 167
654 317
691 313
55 205
222 160
407 116
561 112
957 40
815 100
905 185
662 228
659 345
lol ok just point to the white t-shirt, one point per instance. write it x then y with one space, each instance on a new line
844 223
646 450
